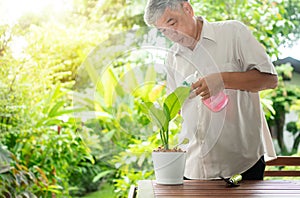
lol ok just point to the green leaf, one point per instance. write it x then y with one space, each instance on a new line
149 83
156 115
55 108
53 96
168 119
48 122
292 127
268 104
91 70
175 100
108 136
100 175
68 111
107 84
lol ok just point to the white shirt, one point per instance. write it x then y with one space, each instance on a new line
230 141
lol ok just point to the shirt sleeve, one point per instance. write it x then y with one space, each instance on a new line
251 53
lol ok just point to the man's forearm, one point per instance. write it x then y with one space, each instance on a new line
252 80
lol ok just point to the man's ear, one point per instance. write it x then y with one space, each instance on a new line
187 8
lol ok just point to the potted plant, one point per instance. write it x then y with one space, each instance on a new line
168 163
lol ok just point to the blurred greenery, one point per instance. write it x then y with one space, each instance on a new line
107 191
272 22
277 103
72 84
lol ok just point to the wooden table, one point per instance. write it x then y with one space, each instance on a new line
217 188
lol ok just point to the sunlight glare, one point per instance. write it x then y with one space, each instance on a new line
12 10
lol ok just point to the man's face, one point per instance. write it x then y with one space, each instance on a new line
178 25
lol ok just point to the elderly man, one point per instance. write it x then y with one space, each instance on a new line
235 139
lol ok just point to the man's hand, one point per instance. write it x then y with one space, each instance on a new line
208 86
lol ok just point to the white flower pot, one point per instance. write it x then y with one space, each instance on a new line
169 167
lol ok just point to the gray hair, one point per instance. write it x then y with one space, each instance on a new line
155 9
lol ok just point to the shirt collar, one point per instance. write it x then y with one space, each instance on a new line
207 30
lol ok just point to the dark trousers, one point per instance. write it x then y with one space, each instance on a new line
256 172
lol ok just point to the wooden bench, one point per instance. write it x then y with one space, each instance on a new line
218 188
279 161
283 161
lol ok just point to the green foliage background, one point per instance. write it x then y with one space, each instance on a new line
65 129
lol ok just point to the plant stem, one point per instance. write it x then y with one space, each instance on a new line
161 133
167 138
